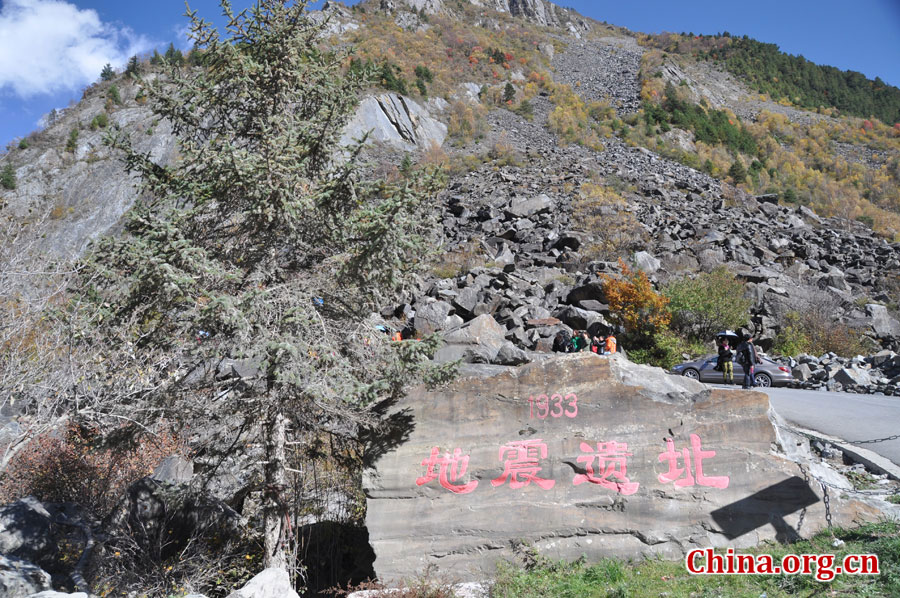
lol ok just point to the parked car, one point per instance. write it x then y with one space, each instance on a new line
768 373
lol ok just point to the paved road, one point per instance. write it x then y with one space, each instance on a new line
851 417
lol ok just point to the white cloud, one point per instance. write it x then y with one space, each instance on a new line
183 39
48 46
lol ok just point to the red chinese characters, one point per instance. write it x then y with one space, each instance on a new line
611 462
450 468
521 464
683 476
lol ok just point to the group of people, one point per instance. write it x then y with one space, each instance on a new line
745 354
579 340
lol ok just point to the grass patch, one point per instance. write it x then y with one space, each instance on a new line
540 578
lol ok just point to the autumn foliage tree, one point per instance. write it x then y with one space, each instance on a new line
634 304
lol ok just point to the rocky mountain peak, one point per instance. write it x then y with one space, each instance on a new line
539 12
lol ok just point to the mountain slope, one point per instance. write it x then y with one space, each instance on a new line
563 155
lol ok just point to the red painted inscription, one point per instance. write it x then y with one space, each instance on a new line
555 405
450 468
520 464
684 476
610 459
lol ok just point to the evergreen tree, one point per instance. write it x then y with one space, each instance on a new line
509 92
257 247
173 56
8 177
134 66
156 59
107 74
737 172
195 57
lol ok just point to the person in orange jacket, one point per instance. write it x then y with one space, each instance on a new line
610 346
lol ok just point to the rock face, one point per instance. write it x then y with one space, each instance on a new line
394 120
84 192
540 12
582 455
26 530
20 578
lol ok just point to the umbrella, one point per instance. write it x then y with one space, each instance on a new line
729 334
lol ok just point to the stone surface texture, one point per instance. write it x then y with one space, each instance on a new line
19 578
394 120
414 520
269 583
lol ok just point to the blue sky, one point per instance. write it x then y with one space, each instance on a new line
51 49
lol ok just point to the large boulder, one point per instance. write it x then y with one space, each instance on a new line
646 262
852 376
529 206
27 531
580 319
478 341
270 583
431 317
583 455
883 324
19 578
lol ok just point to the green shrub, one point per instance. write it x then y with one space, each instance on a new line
23 143
663 349
792 339
391 79
113 94
72 141
8 177
812 330
866 219
709 125
423 73
100 121
706 304
525 110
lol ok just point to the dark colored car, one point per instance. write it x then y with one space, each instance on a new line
768 373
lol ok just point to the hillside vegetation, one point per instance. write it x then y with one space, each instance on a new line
840 166
786 77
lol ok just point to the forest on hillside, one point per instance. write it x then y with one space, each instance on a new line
794 78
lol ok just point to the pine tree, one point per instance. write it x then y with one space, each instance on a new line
134 67
173 56
107 74
737 172
257 247
509 92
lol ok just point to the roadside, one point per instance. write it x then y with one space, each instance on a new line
867 421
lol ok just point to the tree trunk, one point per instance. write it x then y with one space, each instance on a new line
275 510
